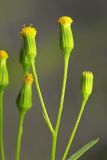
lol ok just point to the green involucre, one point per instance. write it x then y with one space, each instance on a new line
30 47
4 78
86 83
66 39
24 60
24 99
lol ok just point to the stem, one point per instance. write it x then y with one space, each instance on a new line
1 126
20 132
74 129
45 114
54 143
53 151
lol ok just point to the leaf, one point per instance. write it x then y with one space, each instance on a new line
84 149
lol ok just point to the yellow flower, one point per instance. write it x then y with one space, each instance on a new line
28 31
65 20
3 54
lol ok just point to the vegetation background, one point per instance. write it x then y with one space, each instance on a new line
89 30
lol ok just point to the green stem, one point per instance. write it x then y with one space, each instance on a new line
45 114
1 126
53 151
54 143
20 132
74 129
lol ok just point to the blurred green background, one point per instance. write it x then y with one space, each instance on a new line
90 36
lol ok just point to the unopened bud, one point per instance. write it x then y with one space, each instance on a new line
66 37
29 44
86 83
4 79
24 99
24 61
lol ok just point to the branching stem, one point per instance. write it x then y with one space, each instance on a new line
55 135
45 114
74 129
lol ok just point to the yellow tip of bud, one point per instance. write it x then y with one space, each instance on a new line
65 20
89 73
28 78
3 54
28 31
87 83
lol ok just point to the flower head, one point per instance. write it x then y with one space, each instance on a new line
3 54
28 31
87 83
29 45
24 99
64 20
66 37
4 79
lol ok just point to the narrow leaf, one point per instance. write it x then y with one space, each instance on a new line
84 149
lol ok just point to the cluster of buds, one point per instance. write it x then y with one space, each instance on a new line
67 45
27 57
29 51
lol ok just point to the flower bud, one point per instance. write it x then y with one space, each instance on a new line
29 44
24 61
4 79
24 99
66 37
86 83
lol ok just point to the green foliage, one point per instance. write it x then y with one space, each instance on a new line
83 150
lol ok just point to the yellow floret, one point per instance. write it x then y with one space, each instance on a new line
28 31
65 20
3 54
28 78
